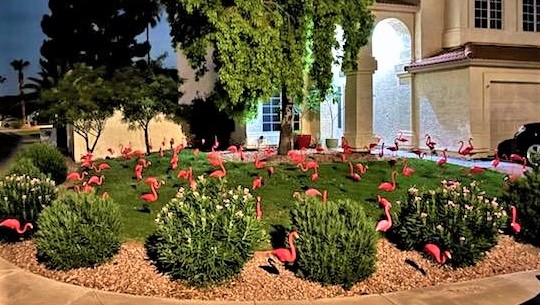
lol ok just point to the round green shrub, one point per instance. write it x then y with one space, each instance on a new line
25 166
48 159
23 197
458 218
524 193
337 242
205 236
78 230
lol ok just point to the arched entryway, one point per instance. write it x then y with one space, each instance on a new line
391 48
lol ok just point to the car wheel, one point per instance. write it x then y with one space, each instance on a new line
533 154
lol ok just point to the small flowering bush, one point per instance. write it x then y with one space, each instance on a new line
206 235
524 193
23 197
455 217
25 166
78 230
337 243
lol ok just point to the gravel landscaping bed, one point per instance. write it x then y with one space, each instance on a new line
131 272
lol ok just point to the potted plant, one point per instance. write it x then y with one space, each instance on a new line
329 102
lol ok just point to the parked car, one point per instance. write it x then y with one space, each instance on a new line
526 143
10 122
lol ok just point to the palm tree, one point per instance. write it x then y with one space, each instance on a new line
19 65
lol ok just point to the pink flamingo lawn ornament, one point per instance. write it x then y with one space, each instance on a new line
96 180
429 143
14 224
285 255
76 176
387 186
258 211
465 151
153 195
444 159
257 183
309 165
436 253
407 170
516 227
354 176
385 224
496 161
220 173
270 171
311 192
258 163
101 167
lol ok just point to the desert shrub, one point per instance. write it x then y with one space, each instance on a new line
337 241
48 159
78 230
25 166
524 193
23 197
455 217
205 236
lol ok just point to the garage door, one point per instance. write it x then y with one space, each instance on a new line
512 105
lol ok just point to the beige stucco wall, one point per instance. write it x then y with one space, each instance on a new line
442 107
459 25
117 133
429 28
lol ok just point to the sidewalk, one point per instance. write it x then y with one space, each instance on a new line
18 286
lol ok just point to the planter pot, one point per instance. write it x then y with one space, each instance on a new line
331 143
303 141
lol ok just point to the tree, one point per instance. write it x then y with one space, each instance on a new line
97 33
19 65
144 96
261 47
83 99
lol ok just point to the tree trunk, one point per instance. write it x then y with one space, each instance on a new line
286 132
146 139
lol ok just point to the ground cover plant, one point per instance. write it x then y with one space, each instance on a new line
277 189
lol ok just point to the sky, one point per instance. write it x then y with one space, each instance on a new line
21 38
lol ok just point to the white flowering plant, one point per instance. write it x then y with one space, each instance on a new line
23 197
459 218
205 235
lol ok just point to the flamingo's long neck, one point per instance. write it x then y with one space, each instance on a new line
514 214
21 231
223 168
293 248
470 143
381 153
388 216
460 150
428 140
444 155
154 192
351 171
394 179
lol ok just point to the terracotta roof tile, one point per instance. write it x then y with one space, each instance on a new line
471 50
400 2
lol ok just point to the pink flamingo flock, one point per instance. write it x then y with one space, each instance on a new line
297 157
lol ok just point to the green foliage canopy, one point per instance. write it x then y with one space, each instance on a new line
259 47
83 99
144 96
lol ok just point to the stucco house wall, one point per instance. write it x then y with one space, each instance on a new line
116 133
442 107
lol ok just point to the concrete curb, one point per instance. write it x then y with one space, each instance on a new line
18 286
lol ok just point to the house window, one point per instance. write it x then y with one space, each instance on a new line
488 14
271 115
531 15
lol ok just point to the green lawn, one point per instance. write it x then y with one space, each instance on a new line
277 190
